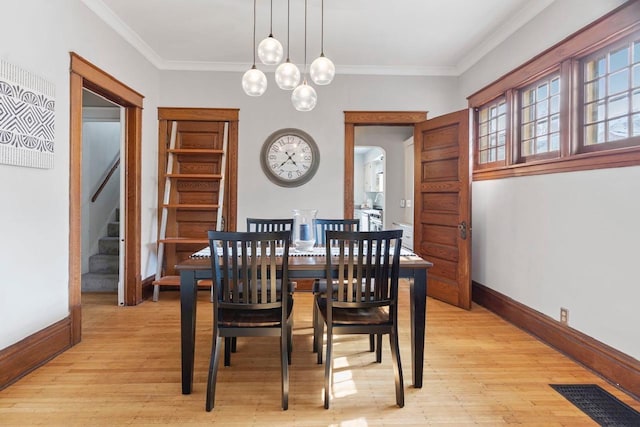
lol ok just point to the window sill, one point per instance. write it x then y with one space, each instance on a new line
578 162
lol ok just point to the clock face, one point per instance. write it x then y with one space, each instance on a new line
289 157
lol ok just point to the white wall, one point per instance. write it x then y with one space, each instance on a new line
259 117
38 35
565 239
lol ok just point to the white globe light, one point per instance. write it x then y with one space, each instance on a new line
322 70
270 51
254 82
287 76
304 97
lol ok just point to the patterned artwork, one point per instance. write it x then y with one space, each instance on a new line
27 118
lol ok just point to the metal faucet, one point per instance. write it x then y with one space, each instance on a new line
376 198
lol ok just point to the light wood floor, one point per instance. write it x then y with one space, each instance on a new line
479 370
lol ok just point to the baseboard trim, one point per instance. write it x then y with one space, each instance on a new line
147 287
34 351
616 367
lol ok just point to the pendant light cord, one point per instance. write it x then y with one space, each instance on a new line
254 34
305 38
321 28
288 20
271 20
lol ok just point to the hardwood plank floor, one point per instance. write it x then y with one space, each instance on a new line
479 370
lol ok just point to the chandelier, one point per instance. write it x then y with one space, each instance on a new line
287 74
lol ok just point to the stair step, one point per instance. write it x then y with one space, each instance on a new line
113 229
109 246
100 263
97 282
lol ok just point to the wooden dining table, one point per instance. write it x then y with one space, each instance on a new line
300 267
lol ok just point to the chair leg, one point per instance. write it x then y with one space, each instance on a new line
213 373
315 322
397 367
327 368
379 349
234 344
284 362
289 340
227 350
372 343
318 331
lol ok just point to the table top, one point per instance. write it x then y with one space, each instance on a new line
304 263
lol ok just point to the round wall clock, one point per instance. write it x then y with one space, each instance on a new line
289 157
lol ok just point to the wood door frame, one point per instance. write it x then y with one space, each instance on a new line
86 75
369 118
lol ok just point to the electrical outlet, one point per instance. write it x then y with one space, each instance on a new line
402 203
564 316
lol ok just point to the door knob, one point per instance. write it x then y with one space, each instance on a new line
463 230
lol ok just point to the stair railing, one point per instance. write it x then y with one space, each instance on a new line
112 169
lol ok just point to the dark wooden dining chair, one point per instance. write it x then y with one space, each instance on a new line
365 300
320 285
269 224
248 296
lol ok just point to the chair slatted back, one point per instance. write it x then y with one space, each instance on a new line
322 225
248 268
365 269
269 224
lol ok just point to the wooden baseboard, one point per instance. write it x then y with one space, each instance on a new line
34 351
147 287
614 366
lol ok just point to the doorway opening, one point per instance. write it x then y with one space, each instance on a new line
85 75
102 138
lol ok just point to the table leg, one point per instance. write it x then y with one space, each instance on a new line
188 300
418 296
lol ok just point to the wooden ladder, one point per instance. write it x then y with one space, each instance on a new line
186 159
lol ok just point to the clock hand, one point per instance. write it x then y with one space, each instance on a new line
290 158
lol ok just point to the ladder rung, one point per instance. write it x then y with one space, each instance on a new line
194 175
189 206
195 151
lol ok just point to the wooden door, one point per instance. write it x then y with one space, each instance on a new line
442 211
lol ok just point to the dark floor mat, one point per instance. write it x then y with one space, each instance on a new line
601 406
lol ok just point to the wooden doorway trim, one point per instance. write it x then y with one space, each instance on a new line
86 75
369 118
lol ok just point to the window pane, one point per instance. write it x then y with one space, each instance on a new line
594 68
492 155
528 97
483 129
555 86
636 124
493 140
527 147
594 112
483 157
636 76
636 100
594 134
618 129
528 114
555 124
542 110
619 81
501 153
484 141
555 142
541 144
527 131
618 59
483 115
555 104
502 108
543 91
493 125
541 128
636 52
594 90
618 106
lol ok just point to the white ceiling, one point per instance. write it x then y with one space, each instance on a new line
401 37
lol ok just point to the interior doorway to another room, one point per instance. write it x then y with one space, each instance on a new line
379 176
102 225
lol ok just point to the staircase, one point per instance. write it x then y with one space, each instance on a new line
103 266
